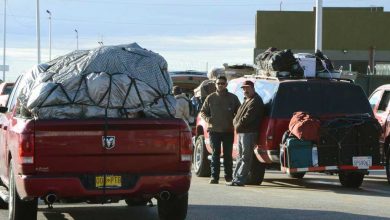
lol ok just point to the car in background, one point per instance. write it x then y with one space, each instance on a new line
188 80
379 101
5 90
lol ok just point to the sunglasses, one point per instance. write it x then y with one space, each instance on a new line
221 83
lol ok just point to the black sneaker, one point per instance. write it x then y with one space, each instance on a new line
228 179
213 181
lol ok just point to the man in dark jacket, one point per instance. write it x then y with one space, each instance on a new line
247 123
218 111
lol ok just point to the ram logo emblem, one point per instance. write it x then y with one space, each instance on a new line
108 142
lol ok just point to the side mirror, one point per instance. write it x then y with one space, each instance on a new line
3 109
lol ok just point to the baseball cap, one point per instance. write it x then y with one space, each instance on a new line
248 83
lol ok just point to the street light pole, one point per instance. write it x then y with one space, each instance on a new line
49 33
318 34
77 39
5 25
38 34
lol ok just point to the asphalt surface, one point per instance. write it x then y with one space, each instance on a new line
316 196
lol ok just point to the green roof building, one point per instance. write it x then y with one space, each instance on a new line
351 37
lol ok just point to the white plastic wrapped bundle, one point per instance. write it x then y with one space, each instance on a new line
113 81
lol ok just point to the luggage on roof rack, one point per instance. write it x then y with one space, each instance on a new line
278 63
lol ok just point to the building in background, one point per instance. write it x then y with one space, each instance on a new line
353 38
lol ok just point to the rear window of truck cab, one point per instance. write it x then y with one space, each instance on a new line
319 98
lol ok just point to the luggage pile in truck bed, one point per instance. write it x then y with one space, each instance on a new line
123 81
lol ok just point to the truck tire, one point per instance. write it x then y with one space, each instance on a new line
387 165
297 175
19 209
351 179
201 164
175 208
256 172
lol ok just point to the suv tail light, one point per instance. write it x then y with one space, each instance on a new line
185 146
26 148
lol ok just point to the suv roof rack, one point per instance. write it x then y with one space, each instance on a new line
334 79
262 77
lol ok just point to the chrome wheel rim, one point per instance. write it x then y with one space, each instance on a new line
198 157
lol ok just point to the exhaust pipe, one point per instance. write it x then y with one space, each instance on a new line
165 195
50 198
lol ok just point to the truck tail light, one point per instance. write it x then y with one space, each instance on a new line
26 148
185 146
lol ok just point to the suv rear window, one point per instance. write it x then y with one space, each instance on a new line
319 98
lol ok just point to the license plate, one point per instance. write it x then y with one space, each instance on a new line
362 162
111 181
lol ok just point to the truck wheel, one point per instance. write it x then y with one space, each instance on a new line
297 175
256 173
387 167
201 164
351 179
17 208
175 208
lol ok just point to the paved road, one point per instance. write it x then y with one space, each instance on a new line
317 196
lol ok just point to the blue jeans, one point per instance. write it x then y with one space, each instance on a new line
226 138
246 144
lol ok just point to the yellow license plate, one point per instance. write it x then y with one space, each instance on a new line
111 181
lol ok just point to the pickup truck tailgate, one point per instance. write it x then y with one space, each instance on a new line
136 146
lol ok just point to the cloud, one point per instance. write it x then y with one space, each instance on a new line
181 52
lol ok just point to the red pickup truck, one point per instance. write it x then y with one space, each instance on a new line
94 161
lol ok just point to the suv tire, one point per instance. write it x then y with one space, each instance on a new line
175 208
351 179
201 163
19 209
297 175
256 173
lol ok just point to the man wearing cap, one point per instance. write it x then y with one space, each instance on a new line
247 123
218 111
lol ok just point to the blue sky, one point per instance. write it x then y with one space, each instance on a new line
189 34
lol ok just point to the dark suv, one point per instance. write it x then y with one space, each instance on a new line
327 99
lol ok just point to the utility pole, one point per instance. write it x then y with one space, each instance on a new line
318 40
49 33
77 39
280 5
38 34
5 26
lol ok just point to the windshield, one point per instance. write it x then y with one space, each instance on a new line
320 99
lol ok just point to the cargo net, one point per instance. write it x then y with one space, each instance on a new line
124 81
